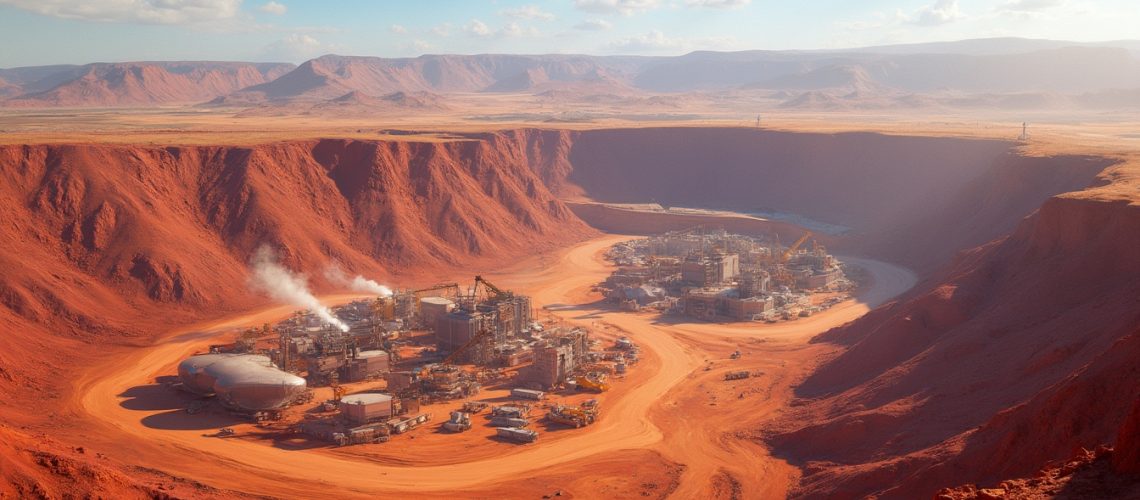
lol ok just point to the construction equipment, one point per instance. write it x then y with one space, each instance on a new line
517 435
509 422
459 422
510 411
454 287
795 246
474 407
737 375
337 389
402 425
595 384
475 339
498 293
571 416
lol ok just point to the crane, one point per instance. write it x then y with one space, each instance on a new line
499 293
454 287
475 339
795 246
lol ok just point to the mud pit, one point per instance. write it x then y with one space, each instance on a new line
674 427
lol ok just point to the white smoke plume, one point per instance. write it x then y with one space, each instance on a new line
283 285
357 284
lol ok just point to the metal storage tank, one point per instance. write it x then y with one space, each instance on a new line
249 382
192 372
366 407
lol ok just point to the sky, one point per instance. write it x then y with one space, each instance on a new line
40 32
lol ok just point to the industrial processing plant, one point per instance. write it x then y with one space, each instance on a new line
396 360
711 274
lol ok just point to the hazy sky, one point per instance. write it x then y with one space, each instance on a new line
34 32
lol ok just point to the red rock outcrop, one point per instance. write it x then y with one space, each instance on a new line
1021 352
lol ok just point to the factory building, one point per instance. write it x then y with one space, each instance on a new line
702 270
366 365
753 283
367 407
433 308
496 323
556 358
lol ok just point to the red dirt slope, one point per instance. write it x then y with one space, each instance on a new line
1025 350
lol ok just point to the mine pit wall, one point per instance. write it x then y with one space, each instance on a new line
911 200
108 240
111 244
623 221
1019 345
1025 351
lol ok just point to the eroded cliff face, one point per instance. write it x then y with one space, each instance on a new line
99 236
1023 351
916 201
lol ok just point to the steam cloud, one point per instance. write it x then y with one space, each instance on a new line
285 286
357 284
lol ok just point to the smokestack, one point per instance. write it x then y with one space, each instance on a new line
282 285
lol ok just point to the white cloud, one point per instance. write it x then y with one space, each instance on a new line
623 7
477 28
513 30
274 8
136 11
1028 6
656 41
480 29
442 30
527 12
718 4
397 29
594 25
296 47
939 13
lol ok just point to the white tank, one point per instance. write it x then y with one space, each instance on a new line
247 381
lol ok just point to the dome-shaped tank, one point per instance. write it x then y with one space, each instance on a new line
192 372
250 382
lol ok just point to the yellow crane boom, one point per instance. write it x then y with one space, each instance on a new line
795 246
454 287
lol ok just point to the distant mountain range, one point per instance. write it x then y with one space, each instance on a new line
945 73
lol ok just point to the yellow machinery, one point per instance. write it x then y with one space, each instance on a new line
475 339
781 275
338 391
795 246
572 416
591 384
438 373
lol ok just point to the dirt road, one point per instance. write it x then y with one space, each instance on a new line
561 282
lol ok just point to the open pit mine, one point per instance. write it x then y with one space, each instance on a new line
567 276
921 316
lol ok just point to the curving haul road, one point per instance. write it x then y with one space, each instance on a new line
262 469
